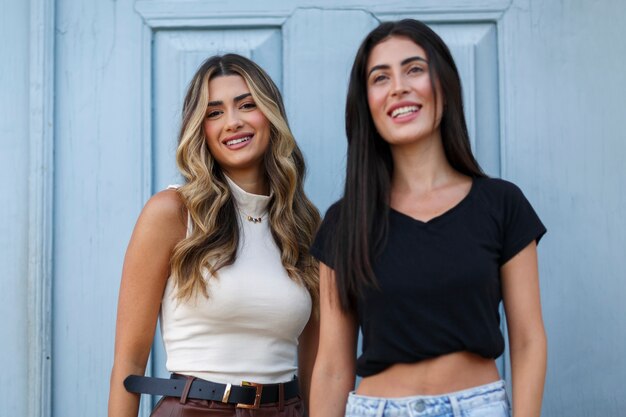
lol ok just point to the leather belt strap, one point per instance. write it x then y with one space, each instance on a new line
243 396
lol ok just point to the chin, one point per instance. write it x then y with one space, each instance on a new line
406 138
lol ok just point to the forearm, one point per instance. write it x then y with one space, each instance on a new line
329 392
121 402
333 373
528 366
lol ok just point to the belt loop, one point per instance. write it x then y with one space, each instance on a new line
185 393
456 408
380 412
281 397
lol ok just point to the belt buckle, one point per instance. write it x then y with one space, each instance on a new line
257 396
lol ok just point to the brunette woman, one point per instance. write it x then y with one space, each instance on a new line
420 251
224 259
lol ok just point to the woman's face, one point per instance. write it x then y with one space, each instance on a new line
237 132
399 92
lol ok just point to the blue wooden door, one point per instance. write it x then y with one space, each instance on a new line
312 72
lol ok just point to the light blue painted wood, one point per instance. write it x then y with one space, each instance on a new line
172 13
14 170
475 50
559 101
316 82
40 202
98 189
564 144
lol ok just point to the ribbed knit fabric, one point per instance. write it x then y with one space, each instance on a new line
248 327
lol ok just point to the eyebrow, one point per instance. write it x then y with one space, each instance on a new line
236 100
404 62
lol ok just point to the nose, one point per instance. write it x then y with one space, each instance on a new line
398 86
233 122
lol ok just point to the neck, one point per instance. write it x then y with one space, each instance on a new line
420 166
251 182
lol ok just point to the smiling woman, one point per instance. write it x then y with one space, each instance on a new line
421 250
223 261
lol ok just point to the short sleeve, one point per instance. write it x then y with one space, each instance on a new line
521 225
322 248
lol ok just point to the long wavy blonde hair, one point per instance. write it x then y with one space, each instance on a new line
213 241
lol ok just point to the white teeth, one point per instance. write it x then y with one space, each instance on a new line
400 111
236 141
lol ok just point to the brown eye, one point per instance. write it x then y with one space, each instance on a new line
378 78
213 114
248 106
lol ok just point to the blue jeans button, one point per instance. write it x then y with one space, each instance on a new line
419 406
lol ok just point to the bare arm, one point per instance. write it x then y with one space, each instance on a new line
334 371
307 350
527 338
146 269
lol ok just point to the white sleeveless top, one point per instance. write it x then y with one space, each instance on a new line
248 328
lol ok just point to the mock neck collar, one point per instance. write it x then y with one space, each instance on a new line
249 204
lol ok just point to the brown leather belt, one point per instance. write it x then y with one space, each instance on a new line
246 395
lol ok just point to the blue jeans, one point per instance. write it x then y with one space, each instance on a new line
483 401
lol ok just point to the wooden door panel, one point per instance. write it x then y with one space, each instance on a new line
475 50
316 81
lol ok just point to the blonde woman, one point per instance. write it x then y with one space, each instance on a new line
223 261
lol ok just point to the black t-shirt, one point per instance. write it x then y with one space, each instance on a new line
439 281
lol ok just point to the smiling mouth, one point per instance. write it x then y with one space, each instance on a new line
402 111
238 140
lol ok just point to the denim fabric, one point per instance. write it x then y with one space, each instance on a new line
483 401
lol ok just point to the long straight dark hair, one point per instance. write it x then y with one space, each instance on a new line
364 210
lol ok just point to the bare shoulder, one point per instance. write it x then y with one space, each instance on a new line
166 203
164 214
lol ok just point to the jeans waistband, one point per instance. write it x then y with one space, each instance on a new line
427 405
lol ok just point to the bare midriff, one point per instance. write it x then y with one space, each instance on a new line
443 374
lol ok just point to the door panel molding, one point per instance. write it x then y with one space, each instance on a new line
171 13
199 14
40 206
475 50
